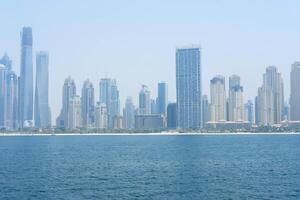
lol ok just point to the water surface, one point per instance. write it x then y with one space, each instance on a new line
150 167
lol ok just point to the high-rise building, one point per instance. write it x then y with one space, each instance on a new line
109 95
41 106
101 118
235 104
69 91
153 107
162 98
218 99
271 98
249 112
11 106
8 95
26 78
295 92
172 116
88 104
74 113
3 88
144 101
128 113
188 87
205 110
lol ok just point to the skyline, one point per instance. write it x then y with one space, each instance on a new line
146 46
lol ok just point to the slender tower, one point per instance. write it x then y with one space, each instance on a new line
26 78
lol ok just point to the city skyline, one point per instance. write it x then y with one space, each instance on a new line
146 45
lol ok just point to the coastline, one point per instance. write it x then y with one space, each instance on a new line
143 134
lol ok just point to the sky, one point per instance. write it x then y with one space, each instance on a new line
134 41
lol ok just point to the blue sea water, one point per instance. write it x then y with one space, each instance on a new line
150 167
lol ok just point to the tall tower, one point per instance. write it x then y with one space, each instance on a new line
188 87
109 95
69 91
26 77
295 92
88 104
128 113
218 99
144 101
236 105
205 110
271 98
41 106
8 95
162 98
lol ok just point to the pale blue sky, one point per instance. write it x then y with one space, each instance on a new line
135 41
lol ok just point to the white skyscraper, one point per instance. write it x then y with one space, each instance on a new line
295 92
271 98
218 99
101 117
236 105
74 113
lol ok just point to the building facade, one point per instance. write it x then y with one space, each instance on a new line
128 113
42 116
144 101
295 94
109 95
218 99
162 98
88 104
26 78
188 87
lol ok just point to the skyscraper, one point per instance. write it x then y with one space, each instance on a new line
271 98
162 98
295 92
101 121
88 104
172 116
109 95
26 77
8 95
144 101
41 106
205 110
11 110
74 113
128 113
188 87
249 112
3 88
236 104
69 91
153 107
218 99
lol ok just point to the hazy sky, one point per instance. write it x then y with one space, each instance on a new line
135 41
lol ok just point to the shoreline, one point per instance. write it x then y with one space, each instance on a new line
143 134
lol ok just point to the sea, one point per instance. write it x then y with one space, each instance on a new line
150 167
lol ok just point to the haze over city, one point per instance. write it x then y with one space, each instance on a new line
134 42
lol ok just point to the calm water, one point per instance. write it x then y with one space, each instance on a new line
150 167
